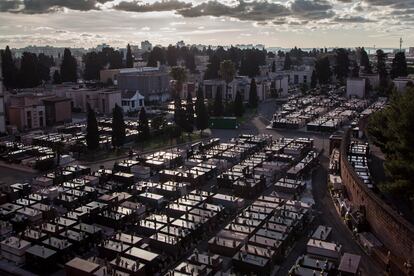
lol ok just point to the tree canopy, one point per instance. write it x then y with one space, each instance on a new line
129 57
399 66
118 127
253 99
69 67
201 111
392 130
92 131
323 70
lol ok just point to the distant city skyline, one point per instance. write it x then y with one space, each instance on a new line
284 23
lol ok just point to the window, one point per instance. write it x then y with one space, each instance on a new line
305 79
295 79
132 104
140 103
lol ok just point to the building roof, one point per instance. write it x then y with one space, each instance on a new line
56 99
82 265
130 94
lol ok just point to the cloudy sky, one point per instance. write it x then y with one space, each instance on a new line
278 23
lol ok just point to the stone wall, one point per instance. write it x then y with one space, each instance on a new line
396 233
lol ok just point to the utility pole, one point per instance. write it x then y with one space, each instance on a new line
401 41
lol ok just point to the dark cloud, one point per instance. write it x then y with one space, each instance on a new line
254 11
353 19
9 5
138 6
394 3
47 6
312 10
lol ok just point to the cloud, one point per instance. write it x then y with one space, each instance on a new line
47 6
353 19
251 11
138 6
312 10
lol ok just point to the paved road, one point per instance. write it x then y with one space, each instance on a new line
11 176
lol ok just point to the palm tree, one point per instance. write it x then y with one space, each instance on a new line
227 72
179 74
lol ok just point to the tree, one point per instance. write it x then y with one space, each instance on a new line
143 126
56 77
68 68
189 114
355 71
178 74
129 58
212 68
8 68
274 66
323 70
44 64
156 55
218 108
201 111
227 72
93 66
171 55
391 130
382 69
253 99
342 64
29 71
314 79
365 62
238 105
118 127
399 66
288 62
92 131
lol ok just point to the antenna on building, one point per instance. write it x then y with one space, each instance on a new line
401 42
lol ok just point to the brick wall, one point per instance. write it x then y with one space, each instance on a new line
396 233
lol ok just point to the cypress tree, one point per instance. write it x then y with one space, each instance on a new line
118 127
218 104
253 99
274 66
189 112
238 105
314 79
288 62
201 111
399 66
29 71
68 68
56 77
365 61
129 59
92 131
143 124
382 69
8 68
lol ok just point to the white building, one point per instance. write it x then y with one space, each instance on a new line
132 101
400 83
372 78
297 76
355 87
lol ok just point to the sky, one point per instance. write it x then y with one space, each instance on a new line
274 23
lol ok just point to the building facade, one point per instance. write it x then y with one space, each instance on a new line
132 101
151 82
355 87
